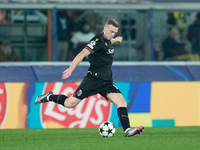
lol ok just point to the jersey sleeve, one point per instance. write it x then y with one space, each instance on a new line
94 45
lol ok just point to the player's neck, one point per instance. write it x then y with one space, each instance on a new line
104 36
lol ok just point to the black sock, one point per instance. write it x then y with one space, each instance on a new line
123 117
59 99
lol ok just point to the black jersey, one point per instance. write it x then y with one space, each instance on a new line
101 57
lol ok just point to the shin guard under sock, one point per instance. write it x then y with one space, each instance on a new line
123 117
59 99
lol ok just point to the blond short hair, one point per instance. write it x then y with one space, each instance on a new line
112 22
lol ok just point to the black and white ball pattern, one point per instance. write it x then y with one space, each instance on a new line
107 129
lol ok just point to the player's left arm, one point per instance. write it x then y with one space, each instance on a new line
117 39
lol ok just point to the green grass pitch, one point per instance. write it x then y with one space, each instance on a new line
154 138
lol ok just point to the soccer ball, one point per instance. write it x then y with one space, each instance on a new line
107 129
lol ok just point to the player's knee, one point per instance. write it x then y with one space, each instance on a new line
120 103
69 105
71 102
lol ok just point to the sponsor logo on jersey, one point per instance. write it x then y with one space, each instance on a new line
92 44
106 44
110 51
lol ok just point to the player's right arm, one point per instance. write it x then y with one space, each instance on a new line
67 73
118 39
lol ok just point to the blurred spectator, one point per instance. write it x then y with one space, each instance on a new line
171 21
176 20
7 53
82 37
174 48
4 17
66 26
193 35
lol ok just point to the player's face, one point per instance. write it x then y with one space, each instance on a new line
110 31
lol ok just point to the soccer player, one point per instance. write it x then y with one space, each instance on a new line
99 79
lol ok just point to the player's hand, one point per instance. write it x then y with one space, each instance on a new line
66 74
118 39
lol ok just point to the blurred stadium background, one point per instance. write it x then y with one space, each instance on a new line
158 92
30 25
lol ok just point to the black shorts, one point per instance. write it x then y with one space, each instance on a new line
91 86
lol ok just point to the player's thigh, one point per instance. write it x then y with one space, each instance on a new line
71 102
117 99
89 86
